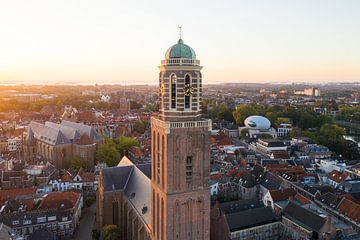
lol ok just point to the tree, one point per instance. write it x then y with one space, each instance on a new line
272 117
89 201
76 163
332 136
122 144
221 112
295 132
108 153
141 126
110 232
307 121
135 105
242 112
244 133
350 150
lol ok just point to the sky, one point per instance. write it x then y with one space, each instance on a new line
123 42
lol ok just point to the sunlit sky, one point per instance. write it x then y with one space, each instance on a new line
120 41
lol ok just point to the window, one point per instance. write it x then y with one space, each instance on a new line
41 219
52 218
187 94
173 91
188 168
16 222
115 208
27 222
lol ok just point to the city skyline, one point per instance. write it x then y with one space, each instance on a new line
89 42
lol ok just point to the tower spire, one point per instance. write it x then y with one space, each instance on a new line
180 28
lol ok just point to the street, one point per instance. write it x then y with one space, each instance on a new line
84 230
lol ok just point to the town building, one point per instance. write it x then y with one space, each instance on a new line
300 223
58 143
25 213
244 219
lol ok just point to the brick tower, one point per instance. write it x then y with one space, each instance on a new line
180 194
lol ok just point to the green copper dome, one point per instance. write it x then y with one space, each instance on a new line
180 50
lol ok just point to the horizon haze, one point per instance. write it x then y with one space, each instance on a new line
122 42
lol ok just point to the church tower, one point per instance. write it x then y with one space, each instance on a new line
180 194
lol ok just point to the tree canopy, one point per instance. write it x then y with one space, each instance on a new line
114 149
76 163
108 153
243 111
110 232
122 144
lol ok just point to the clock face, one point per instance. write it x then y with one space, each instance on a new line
162 89
173 79
188 90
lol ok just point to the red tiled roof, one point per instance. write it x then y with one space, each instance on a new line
221 139
84 140
280 154
136 151
302 199
337 176
217 176
86 176
282 194
350 209
67 177
9 194
60 200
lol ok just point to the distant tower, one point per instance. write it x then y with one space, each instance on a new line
124 102
180 151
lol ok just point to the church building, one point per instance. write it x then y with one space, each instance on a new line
174 190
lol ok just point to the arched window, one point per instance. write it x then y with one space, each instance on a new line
173 90
187 91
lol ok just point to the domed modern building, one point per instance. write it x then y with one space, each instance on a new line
257 122
257 127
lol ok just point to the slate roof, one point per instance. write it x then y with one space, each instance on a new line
145 168
46 134
270 181
70 133
43 234
82 129
239 205
304 217
329 199
351 186
250 218
258 171
135 181
138 192
115 178
247 180
322 189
